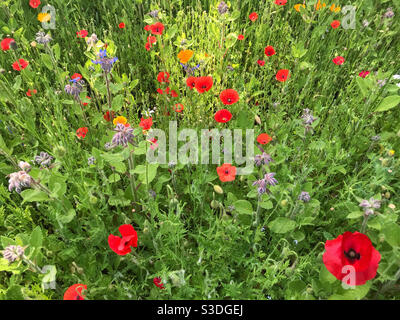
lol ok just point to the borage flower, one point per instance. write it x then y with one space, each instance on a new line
123 136
226 172
122 246
105 62
354 252
74 292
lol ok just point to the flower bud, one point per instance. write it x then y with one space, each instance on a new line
218 189
93 199
215 204
387 195
284 203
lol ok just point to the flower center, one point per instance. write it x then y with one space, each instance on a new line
352 255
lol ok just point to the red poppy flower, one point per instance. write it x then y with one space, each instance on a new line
338 60
81 132
121 25
263 138
157 28
81 33
86 103
147 27
158 282
173 93
107 116
34 3
146 123
351 250
74 292
261 62
363 74
76 76
160 91
20 64
147 46
151 40
122 246
5 43
282 75
335 24
179 107
223 116
203 84
240 37
253 16
269 51
280 2
229 96
163 77
191 82
226 172
29 92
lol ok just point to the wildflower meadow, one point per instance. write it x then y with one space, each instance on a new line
199 150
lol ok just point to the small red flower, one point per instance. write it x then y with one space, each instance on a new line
34 3
86 103
76 76
179 107
269 51
282 75
157 28
264 138
253 16
122 246
81 33
261 63
29 92
191 82
173 93
147 46
240 37
160 91
5 43
338 60
203 84
229 96
158 282
74 292
226 172
147 27
151 40
223 116
121 25
335 24
81 132
107 116
146 123
280 2
351 251
163 77
363 74
20 64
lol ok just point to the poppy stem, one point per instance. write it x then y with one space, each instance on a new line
364 224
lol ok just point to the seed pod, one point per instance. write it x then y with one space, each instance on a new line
215 204
387 195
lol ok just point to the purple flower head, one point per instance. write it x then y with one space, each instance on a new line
123 135
105 63
304 196
44 159
12 253
222 7
307 117
19 180
261 159
262 186
269 179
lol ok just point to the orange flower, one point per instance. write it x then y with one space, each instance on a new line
185 55
226 172
297 6
335 9
119 119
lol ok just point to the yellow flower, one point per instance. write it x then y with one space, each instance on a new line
185 55
391 152
333 8
44 17
297 6
120 119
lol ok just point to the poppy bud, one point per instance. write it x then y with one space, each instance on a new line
284 203
92 199
387 195
257 119
218 189
215 204
173 202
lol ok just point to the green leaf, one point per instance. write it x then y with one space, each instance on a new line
32 195
388 103
243 207
282 225
391 233
66 218
36 237
115 177
46 59
357 293
355 215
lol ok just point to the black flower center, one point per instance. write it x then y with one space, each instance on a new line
352 255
